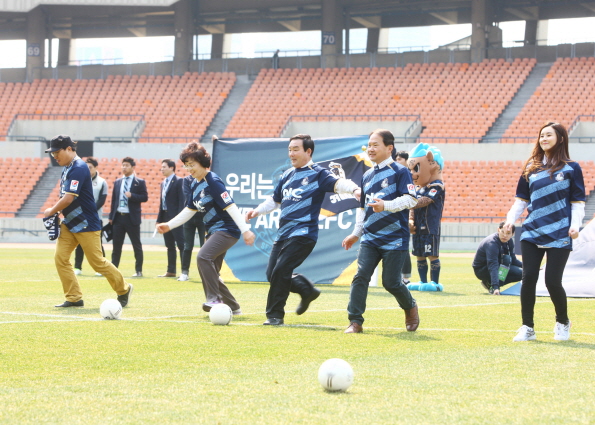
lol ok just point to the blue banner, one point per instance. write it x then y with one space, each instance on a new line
251 169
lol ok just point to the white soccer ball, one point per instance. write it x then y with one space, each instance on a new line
110 309
335 375
220 314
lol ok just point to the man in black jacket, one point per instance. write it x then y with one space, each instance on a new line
495 263
171 203
125 215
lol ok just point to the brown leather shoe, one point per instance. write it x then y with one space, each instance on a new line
354 328
411 319
167 275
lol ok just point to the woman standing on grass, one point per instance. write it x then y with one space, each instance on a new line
552 189
223 221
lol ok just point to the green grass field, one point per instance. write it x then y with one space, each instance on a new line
166 363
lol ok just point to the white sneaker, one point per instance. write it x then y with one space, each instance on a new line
525 334
237 312
98 274
77 272
562 332
183 277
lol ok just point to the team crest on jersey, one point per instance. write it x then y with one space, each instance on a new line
560 177
432 192
74 185
384 183
226 198
411 189
305 181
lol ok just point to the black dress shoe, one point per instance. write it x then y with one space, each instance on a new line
125 299
305 303
273 321
79 303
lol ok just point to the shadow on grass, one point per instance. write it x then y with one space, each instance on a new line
569 344
409 336
79 311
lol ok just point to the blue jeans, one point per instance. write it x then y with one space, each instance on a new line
368 258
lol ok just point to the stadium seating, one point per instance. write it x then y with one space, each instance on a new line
110 170
172 106
482 191
454 100
565 92
19 176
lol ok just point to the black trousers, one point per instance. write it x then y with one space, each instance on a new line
407 266
286 256
122 226
554 269
190 228
173 238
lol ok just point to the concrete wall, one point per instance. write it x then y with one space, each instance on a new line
76 129
583 129
346 128
450 151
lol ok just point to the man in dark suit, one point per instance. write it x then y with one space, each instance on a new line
125 215
170 204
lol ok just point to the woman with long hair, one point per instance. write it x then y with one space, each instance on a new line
552 189
223 222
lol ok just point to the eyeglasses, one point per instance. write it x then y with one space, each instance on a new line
54 154
189 167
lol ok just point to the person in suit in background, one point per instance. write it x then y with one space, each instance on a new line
100 196
125 215
170 204
191 227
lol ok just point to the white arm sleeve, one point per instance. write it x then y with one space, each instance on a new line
267 206
236 215
358 229
184 215
344 186
577 215
516 210
401 203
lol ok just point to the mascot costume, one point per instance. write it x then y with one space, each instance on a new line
426 165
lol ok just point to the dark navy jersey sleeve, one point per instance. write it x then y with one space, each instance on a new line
218 191
327 180
522 189
577 184
75 180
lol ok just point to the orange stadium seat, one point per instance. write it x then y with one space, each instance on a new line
161 100
454 100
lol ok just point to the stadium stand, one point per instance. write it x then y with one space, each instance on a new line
172 106
478 191
110 170
565 93
19 176
454 100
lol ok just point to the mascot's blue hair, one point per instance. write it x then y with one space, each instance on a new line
423 148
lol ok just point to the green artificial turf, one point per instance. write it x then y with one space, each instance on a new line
165 363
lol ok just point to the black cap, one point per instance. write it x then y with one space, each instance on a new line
60 142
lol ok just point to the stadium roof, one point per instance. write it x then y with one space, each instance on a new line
120 18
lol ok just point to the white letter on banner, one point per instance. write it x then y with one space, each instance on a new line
274 218
231 180
264 184
261 220
327 223
340 221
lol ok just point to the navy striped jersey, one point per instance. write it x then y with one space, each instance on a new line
386 230
549 198
427 219
301 192
213 199
81 214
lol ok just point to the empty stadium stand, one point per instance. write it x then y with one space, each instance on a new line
110 170
172 106
454 100
565 93
17 179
